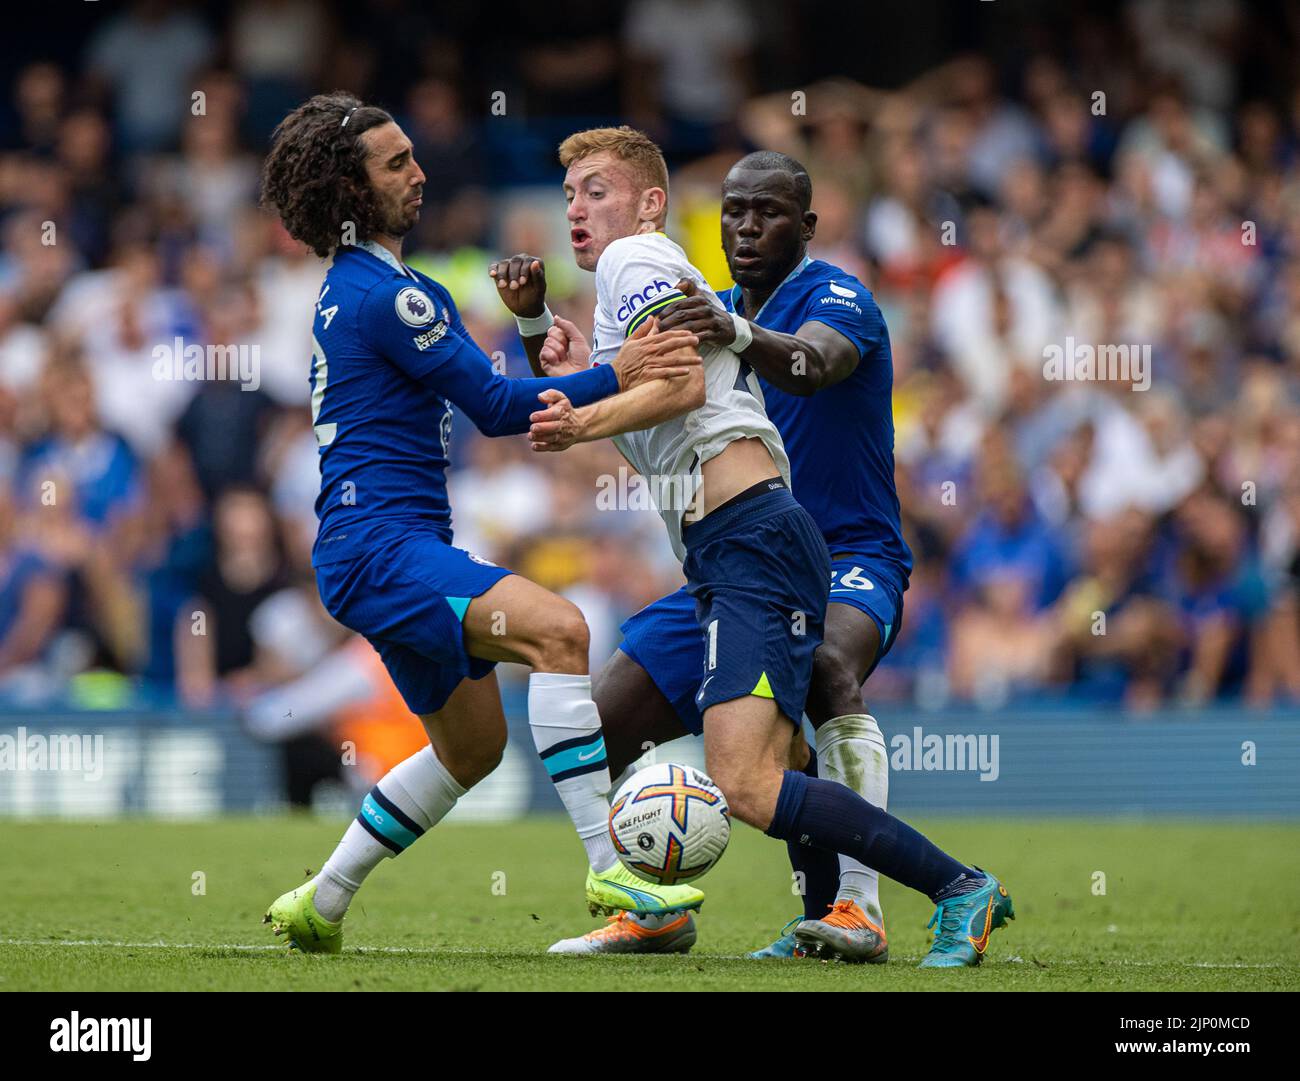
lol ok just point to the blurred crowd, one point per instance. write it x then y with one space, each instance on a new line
1136 182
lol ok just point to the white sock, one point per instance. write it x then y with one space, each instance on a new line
355 856
566 731
409 799
851 750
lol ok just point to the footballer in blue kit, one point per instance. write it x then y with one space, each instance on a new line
390 361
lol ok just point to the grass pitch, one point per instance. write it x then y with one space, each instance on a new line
147 905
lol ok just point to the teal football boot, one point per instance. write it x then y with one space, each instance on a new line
965 924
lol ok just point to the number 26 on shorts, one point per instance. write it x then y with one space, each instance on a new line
852 579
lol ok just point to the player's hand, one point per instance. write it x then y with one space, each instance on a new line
705 320
521 284
565 350
652 353
556 427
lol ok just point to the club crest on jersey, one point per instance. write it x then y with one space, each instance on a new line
639 300
413 307
840 291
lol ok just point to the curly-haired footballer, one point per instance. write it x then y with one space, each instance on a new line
390 361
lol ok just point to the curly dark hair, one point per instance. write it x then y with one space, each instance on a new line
315 173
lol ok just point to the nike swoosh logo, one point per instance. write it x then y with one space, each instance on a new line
982 942
702 686
584 757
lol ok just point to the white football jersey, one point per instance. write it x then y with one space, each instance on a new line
635 278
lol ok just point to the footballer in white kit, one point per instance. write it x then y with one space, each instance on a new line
755 563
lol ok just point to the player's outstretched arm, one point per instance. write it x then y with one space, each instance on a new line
499 405
560 424
502 406
443 356
815 357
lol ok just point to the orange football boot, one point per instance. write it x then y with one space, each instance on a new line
846 933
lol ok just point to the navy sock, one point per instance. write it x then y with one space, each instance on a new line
820 868
825 814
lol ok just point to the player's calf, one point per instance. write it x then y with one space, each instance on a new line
851 750
517 620
468 757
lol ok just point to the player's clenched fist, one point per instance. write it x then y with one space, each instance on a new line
565 350
521 284
651 353
557 427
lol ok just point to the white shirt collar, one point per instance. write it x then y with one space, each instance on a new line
380 252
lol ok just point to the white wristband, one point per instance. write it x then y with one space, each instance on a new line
532 325
744 334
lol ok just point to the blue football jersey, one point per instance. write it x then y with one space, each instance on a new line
841 439
390 360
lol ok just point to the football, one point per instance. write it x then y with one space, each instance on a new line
669 823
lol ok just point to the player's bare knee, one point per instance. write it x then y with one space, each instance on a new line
741 792
566 644
745 805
